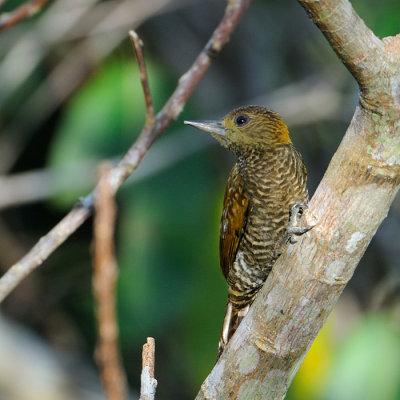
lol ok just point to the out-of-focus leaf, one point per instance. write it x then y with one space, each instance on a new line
367 365
364 366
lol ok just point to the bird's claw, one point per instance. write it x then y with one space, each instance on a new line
297 209
292 228
297 232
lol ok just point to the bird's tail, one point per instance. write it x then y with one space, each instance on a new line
232 319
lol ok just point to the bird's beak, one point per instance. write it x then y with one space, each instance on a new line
214 127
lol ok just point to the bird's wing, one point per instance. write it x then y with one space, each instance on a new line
233 220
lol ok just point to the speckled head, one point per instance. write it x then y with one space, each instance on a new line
249 127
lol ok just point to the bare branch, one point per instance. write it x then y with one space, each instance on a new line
233 13
104 280
138 45
148 383
55 89
26 10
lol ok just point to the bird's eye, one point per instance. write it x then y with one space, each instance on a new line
241 119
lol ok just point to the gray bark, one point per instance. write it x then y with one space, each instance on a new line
350 203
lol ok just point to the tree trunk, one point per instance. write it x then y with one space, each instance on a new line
350 203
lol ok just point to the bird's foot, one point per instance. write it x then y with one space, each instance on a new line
293 229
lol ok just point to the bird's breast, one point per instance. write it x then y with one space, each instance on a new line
273 185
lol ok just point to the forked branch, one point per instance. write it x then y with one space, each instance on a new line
47 244
348 206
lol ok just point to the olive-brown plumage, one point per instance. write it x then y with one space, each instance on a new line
266 185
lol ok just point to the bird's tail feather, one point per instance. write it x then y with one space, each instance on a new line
232 319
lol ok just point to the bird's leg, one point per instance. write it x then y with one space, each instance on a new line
292 228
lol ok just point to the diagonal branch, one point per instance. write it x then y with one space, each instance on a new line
47 244
24 11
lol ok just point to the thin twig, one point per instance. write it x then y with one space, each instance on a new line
138 45
171 110
26 10
148 384
104 280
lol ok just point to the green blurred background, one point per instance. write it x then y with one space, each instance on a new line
70 97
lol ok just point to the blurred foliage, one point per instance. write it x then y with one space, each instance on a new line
170 286
380 16
364 365
99 120
160 287
315 367
373 351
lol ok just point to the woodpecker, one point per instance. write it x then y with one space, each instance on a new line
264 198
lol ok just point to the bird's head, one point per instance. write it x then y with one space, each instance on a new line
247 128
